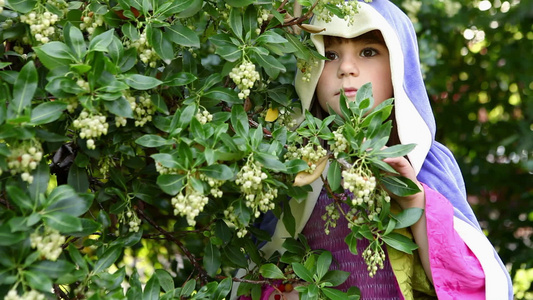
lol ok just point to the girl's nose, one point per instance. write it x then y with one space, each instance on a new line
348 67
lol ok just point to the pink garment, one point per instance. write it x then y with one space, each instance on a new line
457 274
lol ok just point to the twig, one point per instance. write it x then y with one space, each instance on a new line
202 273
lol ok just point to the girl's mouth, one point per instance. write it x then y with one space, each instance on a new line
349 92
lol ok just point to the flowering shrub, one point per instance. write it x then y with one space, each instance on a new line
142 141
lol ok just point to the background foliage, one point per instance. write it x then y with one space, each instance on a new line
148 67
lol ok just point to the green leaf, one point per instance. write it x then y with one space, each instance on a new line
188 288
182 35
180 79
167 160
239 3
218 171
171 183
151 291
47 112
229 53
234 254
408 217
100 42
141 82
271 65
334 294
223 289
351 241
161 43
78 178
235 22
38 281
271 271
152 141
173 7
120 107
270 161
74 39
24 89
62 222
302 272
400 242
108 258
288 220
270 37
395 151
65 199
335 277
18 197
53 269
239 120
165 279
323 263
22 6
295 165
211 259
399 185
334 175
224 94
8 238
55 54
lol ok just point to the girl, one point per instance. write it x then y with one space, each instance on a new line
454 259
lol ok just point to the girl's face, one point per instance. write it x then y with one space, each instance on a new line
352 63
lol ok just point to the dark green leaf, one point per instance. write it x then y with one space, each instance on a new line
173 7
235 22
239 3
152 141
323 263
334 175
165 279
351 241
271 65
179 79
161 43
101 42
18 197
218 171
288 220
8 238
47 112
270 161
38 281
22 6
65 199
24 89
302 272
336 277
120 107
271 271
334 294
182 36
74 39
53 269
400 242
221 93
152 288
142 82
62 222
108 258
400 186
408 217
211 259
171 183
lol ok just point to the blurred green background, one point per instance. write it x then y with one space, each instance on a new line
478 70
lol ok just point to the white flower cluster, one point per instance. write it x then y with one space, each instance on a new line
347 8
361 184
305 66
146 52
231 217
82 83
91 22
132 220
259 195
72 103
41 25
261 18
311 154
30 295
214 184
142 107
330 217
244 77
189 205
24 159
340 142
203 116
91 126
48 243
164 170
374 258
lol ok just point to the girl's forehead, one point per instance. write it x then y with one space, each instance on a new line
373 36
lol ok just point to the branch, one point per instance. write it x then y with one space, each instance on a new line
202 273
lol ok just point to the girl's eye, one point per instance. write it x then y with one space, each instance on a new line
330 55
369 52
